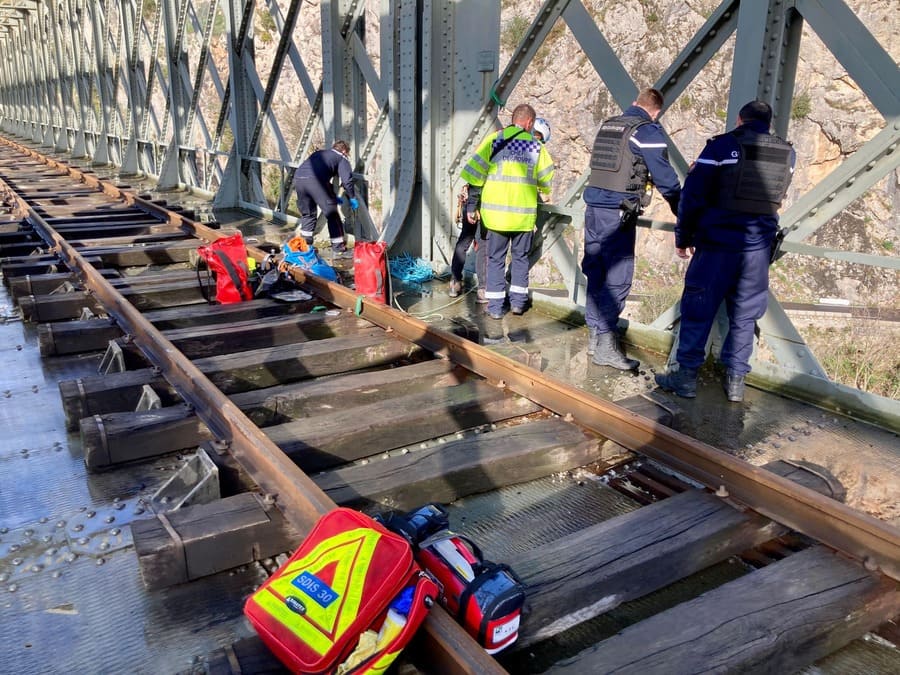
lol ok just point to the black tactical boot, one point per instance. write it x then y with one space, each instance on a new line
734 386
682 382
608 352
592 341
341 251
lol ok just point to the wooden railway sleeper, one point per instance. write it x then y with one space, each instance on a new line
735 483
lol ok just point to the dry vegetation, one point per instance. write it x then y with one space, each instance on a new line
861 353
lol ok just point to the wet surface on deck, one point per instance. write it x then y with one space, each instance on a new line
71 597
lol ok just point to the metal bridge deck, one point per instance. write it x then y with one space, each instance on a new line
71 598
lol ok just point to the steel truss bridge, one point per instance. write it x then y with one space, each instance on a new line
177 90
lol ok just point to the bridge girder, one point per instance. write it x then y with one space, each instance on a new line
166 90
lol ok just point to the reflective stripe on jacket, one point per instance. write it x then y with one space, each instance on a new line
702 221
510 180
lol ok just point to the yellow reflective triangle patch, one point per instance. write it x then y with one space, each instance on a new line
328 582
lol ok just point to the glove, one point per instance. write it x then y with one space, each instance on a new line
339 201
673 203
354 203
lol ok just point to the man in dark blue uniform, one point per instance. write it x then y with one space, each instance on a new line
629 155
727 223
313 182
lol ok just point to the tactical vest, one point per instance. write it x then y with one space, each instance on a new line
613 165
760 179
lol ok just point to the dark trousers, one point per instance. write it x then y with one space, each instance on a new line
310 195
518 243
470 233
608 264
741 280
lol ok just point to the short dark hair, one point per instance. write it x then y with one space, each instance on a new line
756 111
341 147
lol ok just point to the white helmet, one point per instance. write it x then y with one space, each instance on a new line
542 127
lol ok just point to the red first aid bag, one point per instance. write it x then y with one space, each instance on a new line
333 606
370 269
227 259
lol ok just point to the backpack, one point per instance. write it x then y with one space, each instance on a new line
347 601
370 269
226 258
485 597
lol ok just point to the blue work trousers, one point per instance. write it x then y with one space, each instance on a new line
312 194
608 264
471 232
741 280
518 244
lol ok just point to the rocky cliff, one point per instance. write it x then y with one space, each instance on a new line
831 118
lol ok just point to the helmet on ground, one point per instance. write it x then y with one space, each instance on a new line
542 127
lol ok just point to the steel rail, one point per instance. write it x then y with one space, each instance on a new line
857 534
300 499
874 542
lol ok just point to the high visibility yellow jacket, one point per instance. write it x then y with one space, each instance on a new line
511 180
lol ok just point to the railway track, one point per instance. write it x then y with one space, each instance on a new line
299 409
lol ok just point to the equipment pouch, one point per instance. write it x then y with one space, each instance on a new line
485 597
629 212
776 244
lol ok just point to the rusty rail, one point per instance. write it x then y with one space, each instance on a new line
301 500
875 543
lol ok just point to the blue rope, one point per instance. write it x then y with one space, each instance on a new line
409 269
